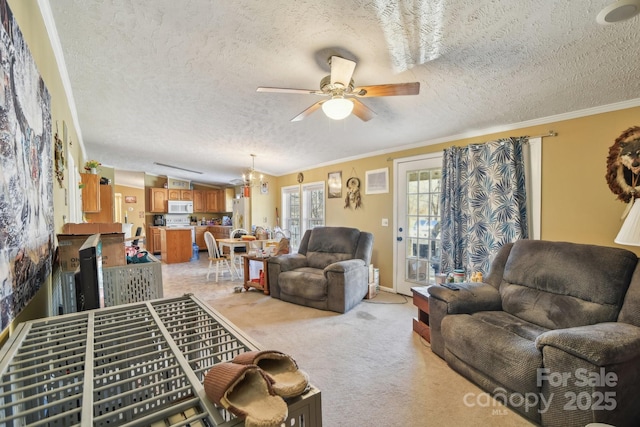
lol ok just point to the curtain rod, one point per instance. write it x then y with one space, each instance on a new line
550 133
546 135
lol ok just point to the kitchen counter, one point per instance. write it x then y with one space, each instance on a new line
175 244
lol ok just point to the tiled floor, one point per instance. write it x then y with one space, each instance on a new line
191 277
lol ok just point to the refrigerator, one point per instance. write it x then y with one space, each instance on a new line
241 216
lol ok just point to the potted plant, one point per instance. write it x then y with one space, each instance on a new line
92 166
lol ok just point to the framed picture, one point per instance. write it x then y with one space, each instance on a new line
130 199
376 181
334 182
264 188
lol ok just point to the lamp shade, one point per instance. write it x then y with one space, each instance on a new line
337 108
630 231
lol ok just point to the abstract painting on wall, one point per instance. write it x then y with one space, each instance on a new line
26 173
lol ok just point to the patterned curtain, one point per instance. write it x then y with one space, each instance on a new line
483 203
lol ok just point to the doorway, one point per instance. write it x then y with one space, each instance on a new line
417 221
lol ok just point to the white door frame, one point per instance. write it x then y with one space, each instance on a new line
397 191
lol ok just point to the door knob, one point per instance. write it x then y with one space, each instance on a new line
399 239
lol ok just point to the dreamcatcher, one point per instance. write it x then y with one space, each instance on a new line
353 193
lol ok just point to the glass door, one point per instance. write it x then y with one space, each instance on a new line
418 244
291 214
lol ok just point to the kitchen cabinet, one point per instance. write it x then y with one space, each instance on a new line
106 213
90 192
211 200
153 241
158 200
175 245
175 194
221 202
198 201
200 230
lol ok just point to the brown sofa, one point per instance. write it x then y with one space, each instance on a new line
554 332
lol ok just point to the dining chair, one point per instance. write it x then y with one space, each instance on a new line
216 258
236 234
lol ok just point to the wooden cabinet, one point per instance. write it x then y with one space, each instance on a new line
175 194
200 230
106 213
211 200
90 192
221 202
198 201
175 245
153 242
158 200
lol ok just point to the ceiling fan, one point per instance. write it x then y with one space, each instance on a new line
342 95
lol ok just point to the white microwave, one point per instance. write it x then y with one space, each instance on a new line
180 207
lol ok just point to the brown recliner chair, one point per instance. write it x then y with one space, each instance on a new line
330 271
554 332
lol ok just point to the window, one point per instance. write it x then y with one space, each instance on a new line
303 208
423 221
312 205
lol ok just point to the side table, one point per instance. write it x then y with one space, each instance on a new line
421 300
247 280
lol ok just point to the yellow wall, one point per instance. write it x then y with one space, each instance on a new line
263 206
135 212
577 205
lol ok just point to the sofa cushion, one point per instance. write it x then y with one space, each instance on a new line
630 313
306 282
331 244
498 345
562 285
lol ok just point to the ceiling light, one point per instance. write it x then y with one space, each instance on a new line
337 108
618 11
250 178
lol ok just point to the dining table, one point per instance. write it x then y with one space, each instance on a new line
232 243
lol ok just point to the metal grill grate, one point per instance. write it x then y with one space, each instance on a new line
148 362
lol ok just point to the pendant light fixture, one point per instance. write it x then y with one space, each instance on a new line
250 178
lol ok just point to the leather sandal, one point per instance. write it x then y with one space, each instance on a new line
288 380
247 392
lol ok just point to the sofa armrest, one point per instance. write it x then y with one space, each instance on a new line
289 262
468 298
601 344
344 266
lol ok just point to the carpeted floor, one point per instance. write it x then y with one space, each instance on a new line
371 368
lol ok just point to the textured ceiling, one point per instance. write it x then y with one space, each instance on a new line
175 81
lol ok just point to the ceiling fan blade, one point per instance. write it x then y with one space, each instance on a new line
341 70
289 90
388 90
308 111
362 111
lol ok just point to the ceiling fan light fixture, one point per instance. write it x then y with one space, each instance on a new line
337 108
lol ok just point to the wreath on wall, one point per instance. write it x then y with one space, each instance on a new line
623 165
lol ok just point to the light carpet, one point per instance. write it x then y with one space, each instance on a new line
369 365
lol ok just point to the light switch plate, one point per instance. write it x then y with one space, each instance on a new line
385 222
